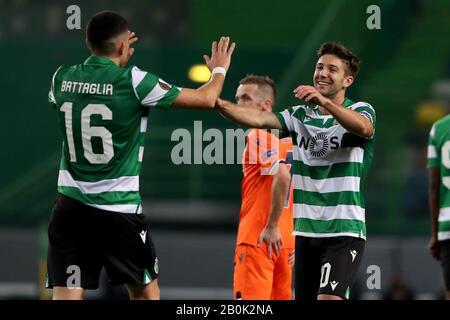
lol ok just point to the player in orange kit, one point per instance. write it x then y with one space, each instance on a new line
265 247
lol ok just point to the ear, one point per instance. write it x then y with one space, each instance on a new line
348 81
267 105
121 47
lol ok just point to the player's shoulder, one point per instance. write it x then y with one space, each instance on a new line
135 68
298 107
442 122
269 133
261 137
440 126
297 110
136 74
65 69
361 105
253 134
60 70
136 71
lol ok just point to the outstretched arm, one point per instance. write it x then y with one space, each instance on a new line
351 120
249 117
218 64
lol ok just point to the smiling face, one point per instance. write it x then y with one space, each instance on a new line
331 76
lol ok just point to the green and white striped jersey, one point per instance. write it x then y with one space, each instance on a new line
102 114
439 157
330 167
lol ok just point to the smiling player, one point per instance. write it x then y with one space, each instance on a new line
333 141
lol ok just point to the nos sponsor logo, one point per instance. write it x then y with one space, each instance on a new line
319 145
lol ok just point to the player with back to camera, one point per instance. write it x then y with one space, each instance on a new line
102 108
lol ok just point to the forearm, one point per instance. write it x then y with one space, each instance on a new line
202 98
247 116
434 184
280 189
211 90
244 116
351 120
433 202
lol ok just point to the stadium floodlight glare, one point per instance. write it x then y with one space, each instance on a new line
199 73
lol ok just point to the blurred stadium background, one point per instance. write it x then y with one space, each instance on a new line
194 209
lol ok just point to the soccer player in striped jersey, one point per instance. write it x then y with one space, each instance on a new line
439 195
333 141
102 109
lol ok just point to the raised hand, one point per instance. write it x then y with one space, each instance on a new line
220 54
131 40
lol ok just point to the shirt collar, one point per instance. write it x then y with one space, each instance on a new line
98 61
347 102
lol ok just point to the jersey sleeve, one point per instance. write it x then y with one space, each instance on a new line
152 91
51 92
288 117
285 118
367 111
432 154
264 149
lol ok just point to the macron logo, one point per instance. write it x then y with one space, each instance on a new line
143 233
333 284
353 253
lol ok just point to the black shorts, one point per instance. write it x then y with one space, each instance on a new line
326 266
83 239
444 257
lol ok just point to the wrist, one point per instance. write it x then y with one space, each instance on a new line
271 225
220 70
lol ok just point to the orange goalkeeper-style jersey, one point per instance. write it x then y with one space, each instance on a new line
263 152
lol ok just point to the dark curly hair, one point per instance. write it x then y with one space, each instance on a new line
351 60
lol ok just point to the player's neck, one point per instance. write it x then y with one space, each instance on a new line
116 60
